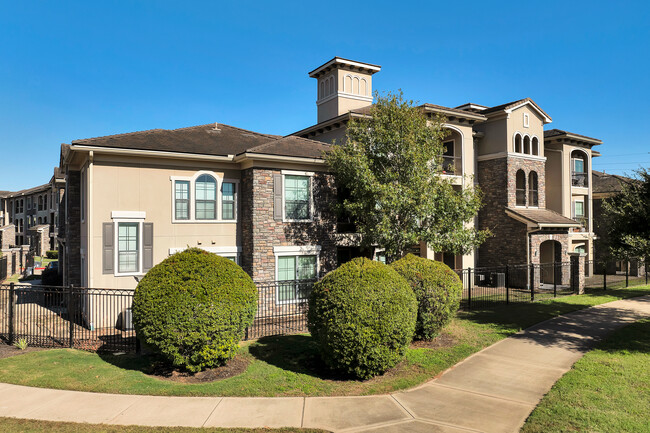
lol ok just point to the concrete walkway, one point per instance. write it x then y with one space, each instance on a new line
492 391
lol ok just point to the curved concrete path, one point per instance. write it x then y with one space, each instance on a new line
491 391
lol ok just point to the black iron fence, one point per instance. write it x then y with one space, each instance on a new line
3 267
616 273
80 318
100 319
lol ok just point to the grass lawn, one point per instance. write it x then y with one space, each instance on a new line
289 365
28 426
608 390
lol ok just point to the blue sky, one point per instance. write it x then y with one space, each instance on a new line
71 70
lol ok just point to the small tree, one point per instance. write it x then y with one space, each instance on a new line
391 164
628 218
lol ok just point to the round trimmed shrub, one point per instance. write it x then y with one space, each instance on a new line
362 315
438 290
193 308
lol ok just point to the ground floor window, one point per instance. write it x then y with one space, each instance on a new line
295 273
128 251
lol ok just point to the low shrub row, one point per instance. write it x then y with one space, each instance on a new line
194 307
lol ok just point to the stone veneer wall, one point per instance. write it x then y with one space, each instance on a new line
72 273
261 232
514 165
508 243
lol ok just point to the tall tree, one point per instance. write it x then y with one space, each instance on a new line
628 218
391 164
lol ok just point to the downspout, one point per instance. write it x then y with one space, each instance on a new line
89 219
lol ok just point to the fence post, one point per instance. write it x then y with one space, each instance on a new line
645 268
604 276
627 273
507 284
532 282
11 313
469 288
71 314
555 267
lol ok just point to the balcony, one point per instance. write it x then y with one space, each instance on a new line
579 179
584 224
452 165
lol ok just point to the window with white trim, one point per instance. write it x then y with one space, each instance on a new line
182 199
128 247
206 197
228 194
526 120
291 271
297 197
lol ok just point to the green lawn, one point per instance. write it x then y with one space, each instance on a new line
289 365
29 426
608 390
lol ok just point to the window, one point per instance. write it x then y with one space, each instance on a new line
533 196
578 165
292 270
535 146
448 157
521 188
182 199
128 251
206 198
527 144
40 202
518 143
526 120
579 209
228 201
297 195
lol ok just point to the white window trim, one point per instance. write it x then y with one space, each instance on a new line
309 174
220 179
127 217
294 250
526 120
584 213
226 252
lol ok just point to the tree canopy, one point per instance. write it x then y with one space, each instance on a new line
628 218
391 164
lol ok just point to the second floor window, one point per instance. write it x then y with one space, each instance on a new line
521 188
206 198
533 196
182 199
297 197
228 201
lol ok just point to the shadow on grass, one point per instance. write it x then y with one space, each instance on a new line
297 353
634 338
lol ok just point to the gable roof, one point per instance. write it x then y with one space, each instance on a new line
608 183
510 106
211 139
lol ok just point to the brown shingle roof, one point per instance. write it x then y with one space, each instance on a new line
206 140
559 132
512 104
608 183
543 216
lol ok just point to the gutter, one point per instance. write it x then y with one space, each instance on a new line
155 153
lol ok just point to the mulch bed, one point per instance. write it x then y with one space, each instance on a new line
441 341
235 366
7 351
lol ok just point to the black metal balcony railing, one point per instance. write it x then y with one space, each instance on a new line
452 165
579 179
584 223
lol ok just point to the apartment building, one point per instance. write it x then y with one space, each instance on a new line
505 150
34 214
264 200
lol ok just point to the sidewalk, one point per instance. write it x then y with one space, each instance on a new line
491 391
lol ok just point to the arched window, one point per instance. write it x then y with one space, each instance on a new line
331 89
533 196
206 197
535 146
347 86
521 188
527 144
579 169
518 143
40 202
322 90
364 87
355 86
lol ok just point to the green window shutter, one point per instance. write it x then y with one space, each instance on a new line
147 246
277 197
108 238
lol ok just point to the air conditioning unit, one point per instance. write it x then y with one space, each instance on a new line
125 321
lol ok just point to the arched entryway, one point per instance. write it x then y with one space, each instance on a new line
550 252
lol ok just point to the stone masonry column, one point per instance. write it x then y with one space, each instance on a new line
578 272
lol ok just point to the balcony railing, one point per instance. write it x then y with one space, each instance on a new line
452 165
584 223
579 179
